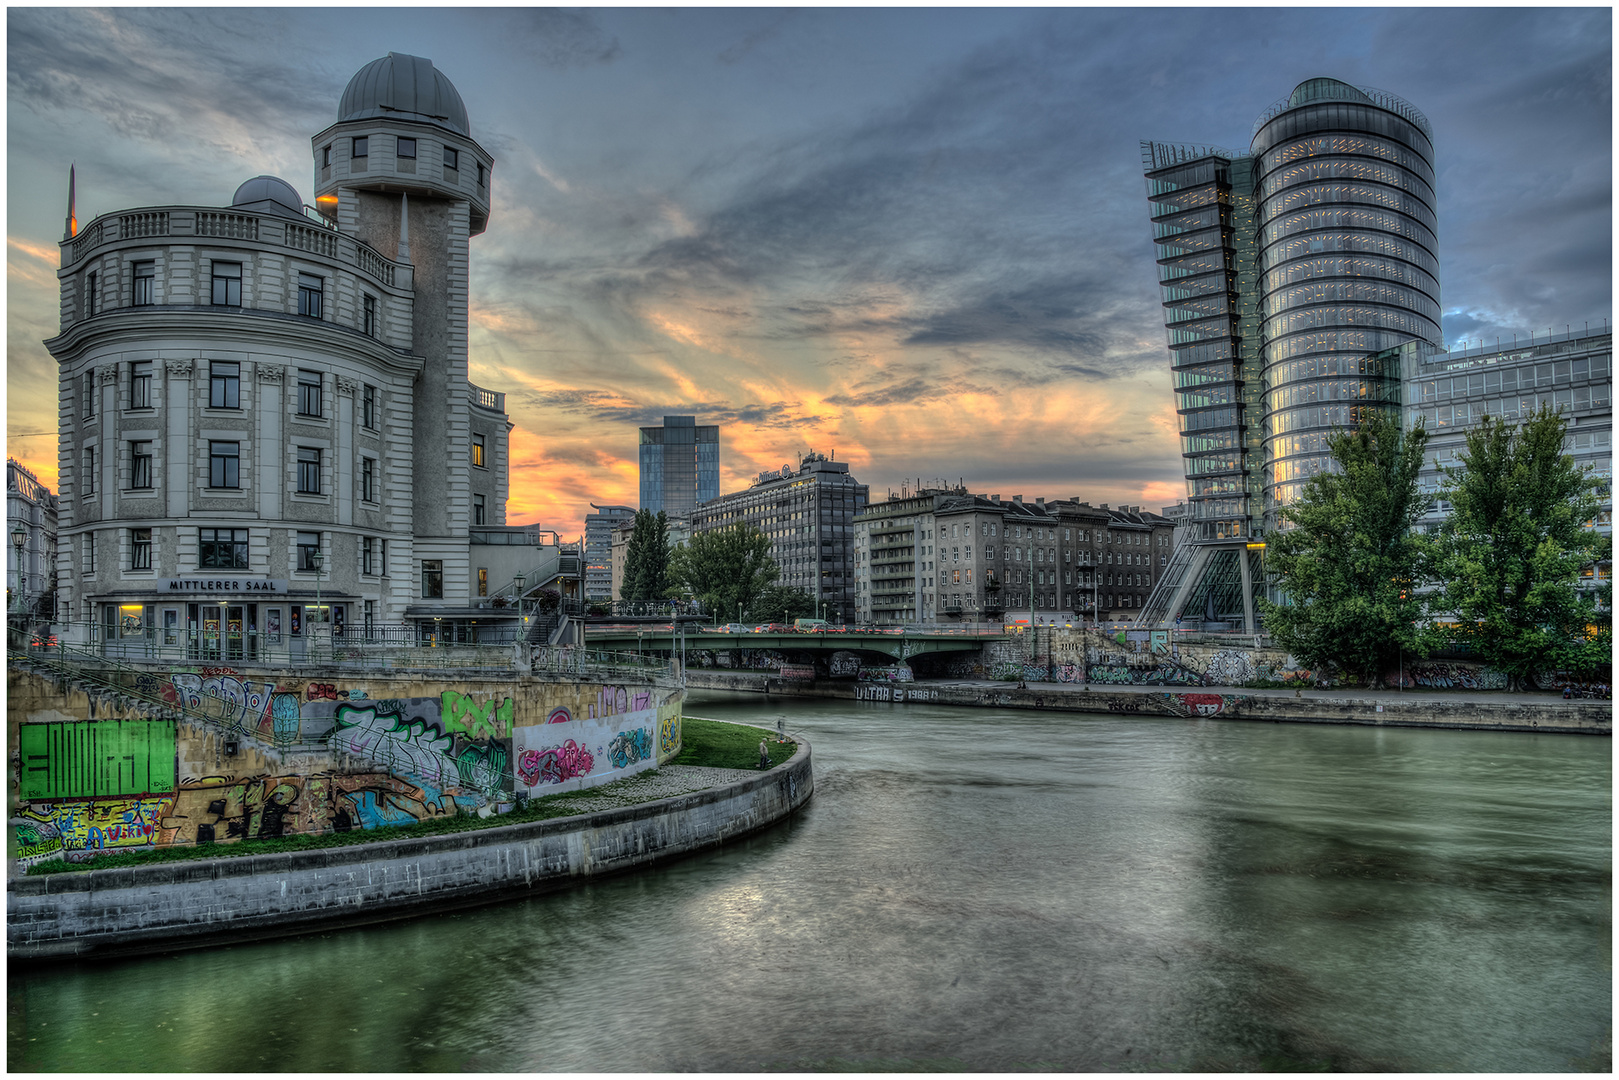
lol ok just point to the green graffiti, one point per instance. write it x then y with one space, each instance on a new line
490 720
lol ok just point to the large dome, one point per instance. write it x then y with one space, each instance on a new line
409 87
270 195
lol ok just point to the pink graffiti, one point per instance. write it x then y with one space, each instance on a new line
1204 704
321 691
555 765
559 715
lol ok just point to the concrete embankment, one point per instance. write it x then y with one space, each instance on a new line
199 902
1481 711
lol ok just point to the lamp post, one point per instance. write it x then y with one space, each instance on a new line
319 560
19 537
517 594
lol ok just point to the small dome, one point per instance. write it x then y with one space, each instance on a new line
409 87
269 195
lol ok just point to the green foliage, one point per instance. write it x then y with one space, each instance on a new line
727 746
727 569
1510 555
781 603
646 558
1349 563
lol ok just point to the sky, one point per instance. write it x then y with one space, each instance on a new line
913 238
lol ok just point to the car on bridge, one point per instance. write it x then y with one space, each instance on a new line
735 628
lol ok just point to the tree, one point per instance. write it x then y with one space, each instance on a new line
782 602
1511 553
1350 562
726 569
646 558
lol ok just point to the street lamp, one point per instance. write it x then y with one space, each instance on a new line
319 560
517 592
19 537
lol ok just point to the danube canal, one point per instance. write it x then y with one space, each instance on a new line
974 890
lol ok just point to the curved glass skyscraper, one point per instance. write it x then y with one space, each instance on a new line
1348 265
1283 271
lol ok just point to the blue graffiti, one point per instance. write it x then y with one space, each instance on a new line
629 747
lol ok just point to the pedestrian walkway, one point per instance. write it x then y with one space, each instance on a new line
1534 697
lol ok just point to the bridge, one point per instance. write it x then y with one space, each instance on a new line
897 643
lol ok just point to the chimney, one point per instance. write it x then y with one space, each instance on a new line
1101 506
1040 501
995 498
1018 499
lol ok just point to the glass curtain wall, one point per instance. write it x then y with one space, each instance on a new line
1348 266
1202 204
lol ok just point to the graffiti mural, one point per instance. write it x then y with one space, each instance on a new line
845 665
554 765
490 720
892 673
1119 675
668 735
894 693
1230 667
559 715
37 841
87 827
1448 676
618 700
320 691
1195 704
420 750
629 747
284 716
245 702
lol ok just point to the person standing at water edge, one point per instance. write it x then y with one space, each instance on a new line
764 754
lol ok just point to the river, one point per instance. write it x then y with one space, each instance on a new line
974 889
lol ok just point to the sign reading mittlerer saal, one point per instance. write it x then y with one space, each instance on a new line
223 585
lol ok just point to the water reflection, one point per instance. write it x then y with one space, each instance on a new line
974 890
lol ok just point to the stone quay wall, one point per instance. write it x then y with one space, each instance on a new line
199 902
1342 707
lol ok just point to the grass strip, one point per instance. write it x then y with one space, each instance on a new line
704 743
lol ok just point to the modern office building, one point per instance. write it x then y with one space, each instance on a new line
680 465
1285 270
1451 392
599 548
808 513
266 424
31 523
945 555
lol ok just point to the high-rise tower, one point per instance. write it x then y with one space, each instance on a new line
1283 270
680 465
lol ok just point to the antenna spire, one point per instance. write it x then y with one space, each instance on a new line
72 226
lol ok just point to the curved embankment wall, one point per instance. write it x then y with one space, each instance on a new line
191 903
1343 707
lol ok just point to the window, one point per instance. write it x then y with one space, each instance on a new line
228 284
370 616
224 464
368 479
326 156
383 569
145 273
92 283
224 384
140 384
452 158
477 451
405 148
140 549
368 555
432 579
480 174
483 581
89 487
222 549
308 470
140 464
308 392
477 509
311 290
361 146
368 324
368 408
90 553
308 550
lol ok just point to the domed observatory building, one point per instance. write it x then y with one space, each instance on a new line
267 433
1283 271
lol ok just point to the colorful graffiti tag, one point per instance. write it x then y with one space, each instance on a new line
419 750
490 720
554 764
629 747
84 828
618 700
244 701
